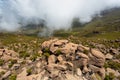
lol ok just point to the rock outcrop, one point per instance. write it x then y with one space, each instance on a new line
61 60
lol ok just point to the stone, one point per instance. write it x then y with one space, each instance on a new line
109 70
81 48
78 72
47 44
60 58
82 55
6 75
22 75
114 51
100 71
2 70
69 48
1 53
96 58
52 59
109 56
15 67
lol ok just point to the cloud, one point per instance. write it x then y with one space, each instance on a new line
56 13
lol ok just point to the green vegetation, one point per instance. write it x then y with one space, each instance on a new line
24 54
29 71
12 77
34 56
109 77
46 54
113 65
2 73
86 52
58 52
1 62
12 62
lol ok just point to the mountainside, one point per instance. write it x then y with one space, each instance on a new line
108 21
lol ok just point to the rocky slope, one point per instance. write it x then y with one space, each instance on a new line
59 60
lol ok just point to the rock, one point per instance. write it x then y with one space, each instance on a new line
82 55
52 59
47 44
81 48
60 42
100 71
22 75
6 75
60 58
1 53
6 57
38 65
15 67
108 56
2 70
109 70
79 72
56 45
73 77
96 58
114 51
69 48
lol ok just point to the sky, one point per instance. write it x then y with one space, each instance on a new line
56 13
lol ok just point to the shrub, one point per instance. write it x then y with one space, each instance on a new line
58 52
114 65
86 52
12 77
46 50
46 54
24 54
111 76
2 73
1 62
34 56
29 71
12 62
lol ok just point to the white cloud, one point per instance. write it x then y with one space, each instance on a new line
56 13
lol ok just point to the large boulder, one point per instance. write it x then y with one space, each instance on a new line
97 58
69 48
47 44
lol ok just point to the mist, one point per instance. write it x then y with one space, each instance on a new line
56 13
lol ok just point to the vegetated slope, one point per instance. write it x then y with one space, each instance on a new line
109 21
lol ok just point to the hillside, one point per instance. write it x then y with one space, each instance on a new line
91 52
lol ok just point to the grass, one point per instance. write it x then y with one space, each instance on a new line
12 77
113 65
1 62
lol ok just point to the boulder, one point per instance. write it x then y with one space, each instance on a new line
60 58
96 58
109 56
82 55
78 72
47 44
15 67
114 51
6 75
69 48
115 72
81 48
52 59
22 75
100 71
